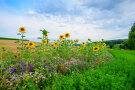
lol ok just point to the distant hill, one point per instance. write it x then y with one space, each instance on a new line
3 38
117 41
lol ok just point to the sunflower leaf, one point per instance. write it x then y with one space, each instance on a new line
23 36
39 37
18 33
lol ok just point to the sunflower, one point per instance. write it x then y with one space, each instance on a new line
72 42
46 35
97 41
56 44
45 42
78 47
95 48
63 41
31 44
67 35
22 29
83 44
76 41
61 37
103 45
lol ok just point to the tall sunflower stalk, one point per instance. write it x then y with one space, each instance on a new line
22 31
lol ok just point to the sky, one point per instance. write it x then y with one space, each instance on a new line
83 19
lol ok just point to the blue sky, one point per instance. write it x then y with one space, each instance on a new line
83 19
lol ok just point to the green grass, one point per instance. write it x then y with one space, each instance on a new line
3 38
119 74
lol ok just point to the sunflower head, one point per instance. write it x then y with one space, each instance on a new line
78 47
76 41
103 45
61 37
83 44
56 44
31 44
97 41
45 42
72 42
22 29
95 48
67 35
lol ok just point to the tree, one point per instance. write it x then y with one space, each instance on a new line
131 38
111 45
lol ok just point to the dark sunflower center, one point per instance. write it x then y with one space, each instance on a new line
67 35
30 44
55 43
22 29
96 48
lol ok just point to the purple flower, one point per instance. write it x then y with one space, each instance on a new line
45 67
3 69
95 58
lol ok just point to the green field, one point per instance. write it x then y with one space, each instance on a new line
119 74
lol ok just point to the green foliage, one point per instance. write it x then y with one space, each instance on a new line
44 32
124 45
118 74
116 47
111 45
131 38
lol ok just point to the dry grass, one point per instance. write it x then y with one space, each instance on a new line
11 46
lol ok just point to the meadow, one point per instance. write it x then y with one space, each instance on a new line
65 66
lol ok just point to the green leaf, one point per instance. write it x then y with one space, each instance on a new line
39 37
18 33
23 36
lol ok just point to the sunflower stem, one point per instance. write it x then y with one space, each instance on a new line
22 41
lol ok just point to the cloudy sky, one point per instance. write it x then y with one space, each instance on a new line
83 19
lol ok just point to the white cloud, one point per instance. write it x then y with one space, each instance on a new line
95 24
31 12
